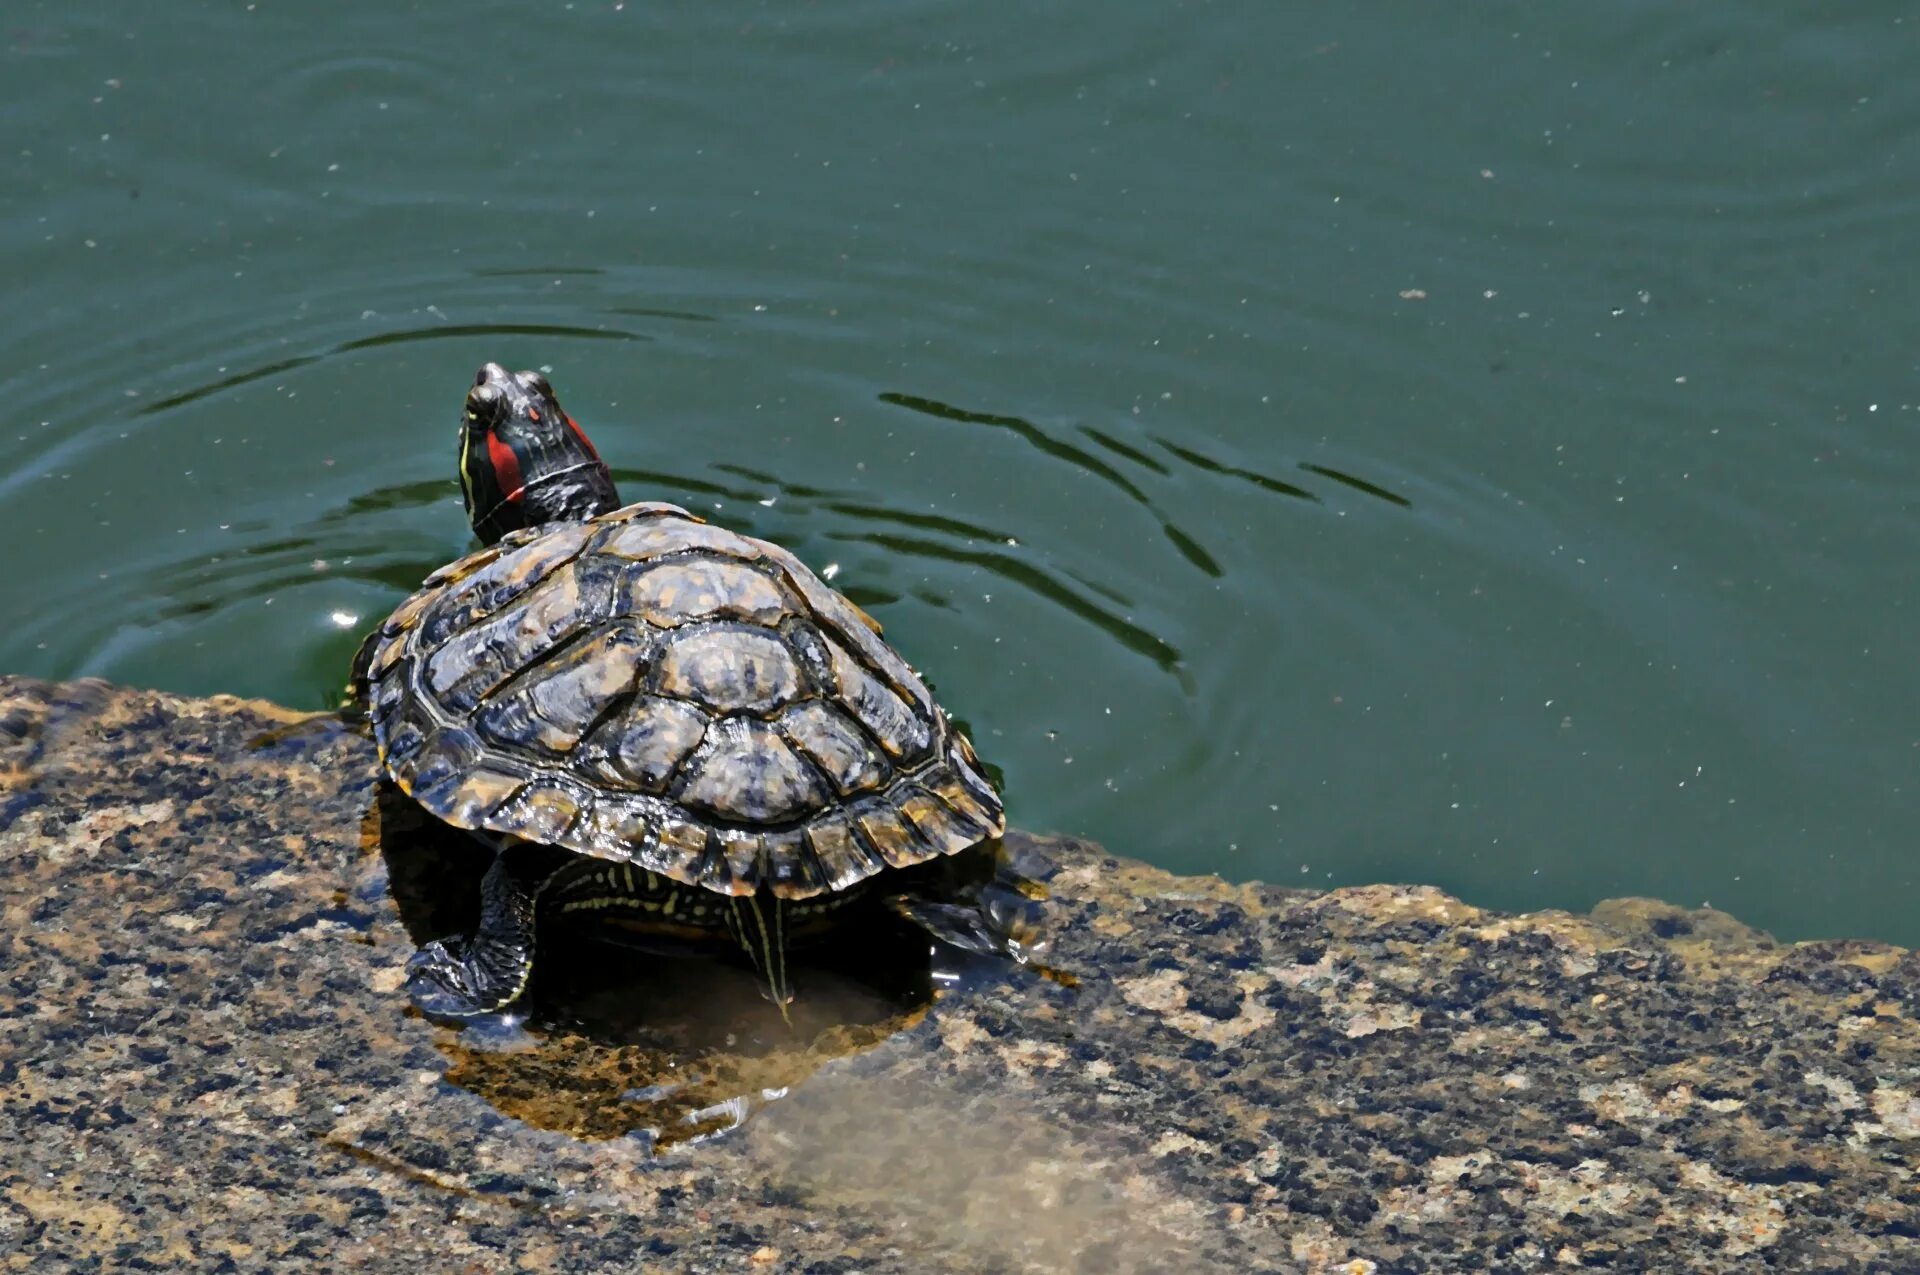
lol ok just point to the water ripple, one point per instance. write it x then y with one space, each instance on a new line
925 522
1136 639
1186 544
1025 429
401 337
654 312
775 482
453 330
1119 448
238 379
1358 484
1262 481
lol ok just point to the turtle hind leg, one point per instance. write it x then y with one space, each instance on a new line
464 976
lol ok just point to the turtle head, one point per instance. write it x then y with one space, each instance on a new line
523 461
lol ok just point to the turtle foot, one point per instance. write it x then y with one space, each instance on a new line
989 923
451 980
965 925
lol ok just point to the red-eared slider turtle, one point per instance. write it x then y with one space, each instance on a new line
719 741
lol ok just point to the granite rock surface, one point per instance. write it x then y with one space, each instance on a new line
207 1063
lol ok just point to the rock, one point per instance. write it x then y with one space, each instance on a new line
208 1064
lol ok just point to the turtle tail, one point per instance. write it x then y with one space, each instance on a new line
760 928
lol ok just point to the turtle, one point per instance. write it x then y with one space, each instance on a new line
652 719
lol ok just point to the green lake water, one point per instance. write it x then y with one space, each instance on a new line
1402 442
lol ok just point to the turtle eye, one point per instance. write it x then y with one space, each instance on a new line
483 404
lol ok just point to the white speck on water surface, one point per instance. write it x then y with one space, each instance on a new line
343 619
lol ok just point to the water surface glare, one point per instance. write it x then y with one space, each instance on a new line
1327 446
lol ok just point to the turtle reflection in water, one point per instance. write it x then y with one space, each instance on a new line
652 718
636 1038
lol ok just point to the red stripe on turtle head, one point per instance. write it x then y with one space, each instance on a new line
506 467
581 435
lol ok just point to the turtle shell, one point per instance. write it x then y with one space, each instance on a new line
646 688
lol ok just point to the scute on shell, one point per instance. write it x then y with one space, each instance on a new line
552 705
682 589
644 746
473 596
728 669
835 744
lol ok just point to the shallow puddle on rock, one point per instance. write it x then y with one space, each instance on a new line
559 1079
616 1039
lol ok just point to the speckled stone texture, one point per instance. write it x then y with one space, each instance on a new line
207 1065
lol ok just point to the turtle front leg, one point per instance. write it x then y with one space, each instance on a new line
463 976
